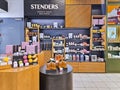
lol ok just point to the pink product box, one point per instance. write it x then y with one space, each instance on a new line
101 21
95 22
9 49
31 49
38 46
24 44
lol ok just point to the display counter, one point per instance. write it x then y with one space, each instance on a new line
56 80
25 78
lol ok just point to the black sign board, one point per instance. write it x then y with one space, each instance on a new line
34 8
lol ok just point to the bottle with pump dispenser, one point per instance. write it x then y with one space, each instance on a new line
82 57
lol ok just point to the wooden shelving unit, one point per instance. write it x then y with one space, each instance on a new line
29 32
102 30
58 47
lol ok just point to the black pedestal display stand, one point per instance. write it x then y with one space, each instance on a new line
56 80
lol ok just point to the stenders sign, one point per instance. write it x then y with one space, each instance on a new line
34 8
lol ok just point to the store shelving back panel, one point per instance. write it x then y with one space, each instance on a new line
113 43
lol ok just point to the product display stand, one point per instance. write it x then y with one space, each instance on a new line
25 78
61 80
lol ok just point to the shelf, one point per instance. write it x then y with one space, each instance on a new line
58 39
64 28
113 24
58 46
78 38
76 52
98 41
98 16
97 50
113 50
32 28
76 46
98 31
114 58
45 39
53 28
113 41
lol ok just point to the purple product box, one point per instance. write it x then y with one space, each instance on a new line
31 49
24 44
95 22
9 49
101 22
38 46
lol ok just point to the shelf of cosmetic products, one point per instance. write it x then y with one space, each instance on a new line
98 48
55 25
58 51
98 42
76 50
21 59
114 56
113 41
77 36
77 43
113 48
80 44
83 58
58 46
32 33
98 30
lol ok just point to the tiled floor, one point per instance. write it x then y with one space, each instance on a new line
96 81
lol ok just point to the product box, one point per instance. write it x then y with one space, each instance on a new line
38 46
24 44
31 49
101 22
95 21
9 49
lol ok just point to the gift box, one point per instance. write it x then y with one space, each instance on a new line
101 22
9 49
38 46
24 44
95 21
31 49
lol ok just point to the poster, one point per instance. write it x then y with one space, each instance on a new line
112 32
113 14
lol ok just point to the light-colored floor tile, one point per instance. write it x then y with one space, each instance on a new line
96 81
114 88
89 84
91 88
111 84
78 84
103 88
117 83
79 89
100 85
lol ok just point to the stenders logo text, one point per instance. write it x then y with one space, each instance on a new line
44 6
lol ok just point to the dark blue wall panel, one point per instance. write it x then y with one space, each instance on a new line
12 31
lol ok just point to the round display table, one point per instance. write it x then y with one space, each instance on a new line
56 80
